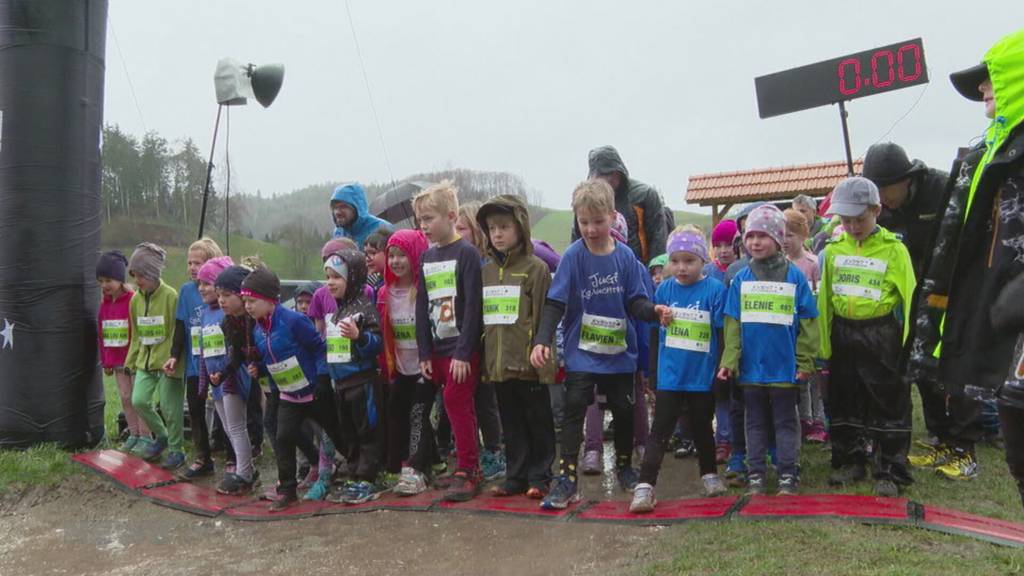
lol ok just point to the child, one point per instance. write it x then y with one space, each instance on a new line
151 312
515 284
688 353
396 305
293 353
657 268
304 297
353 342
723 238
492 459
866 285
448 319
375 249
771 336
114 337
597 285
186 344
812 407
227 382
323 305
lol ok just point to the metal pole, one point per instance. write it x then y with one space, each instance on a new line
846 137
209 173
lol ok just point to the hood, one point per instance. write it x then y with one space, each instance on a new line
545 252
356 262
513 206
1005 62
606 160
413 243
354 195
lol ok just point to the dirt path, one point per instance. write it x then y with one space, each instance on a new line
92 528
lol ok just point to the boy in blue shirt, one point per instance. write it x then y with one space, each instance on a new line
688 353
771 341
599 290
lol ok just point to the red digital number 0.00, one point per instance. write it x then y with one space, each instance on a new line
844 88
875 80
916 51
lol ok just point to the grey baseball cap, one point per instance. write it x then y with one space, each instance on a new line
852 196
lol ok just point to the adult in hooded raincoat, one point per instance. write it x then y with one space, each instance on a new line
352 218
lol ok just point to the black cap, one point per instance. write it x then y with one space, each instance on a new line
263 282
887 163
966 81
231 278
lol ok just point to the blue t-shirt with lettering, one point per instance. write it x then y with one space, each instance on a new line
190 311
769 314
688 349
600 337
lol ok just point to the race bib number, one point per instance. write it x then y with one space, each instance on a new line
768 303
115 333
339 348
288 375
151 330
602 335
690 330
859 277
501 305
439 278
213 342
197 334
404 330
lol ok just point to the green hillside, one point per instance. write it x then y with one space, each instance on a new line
556 227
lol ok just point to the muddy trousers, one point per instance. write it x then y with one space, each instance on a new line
529 432
668 406
579 394
867 398
171 394
361 427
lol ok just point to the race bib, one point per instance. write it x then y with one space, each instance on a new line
197 334
690 330
768 303
115 333
151 330
264 382
339 348
288 375
404 330
213 342
439 278
501 305
602 335
859 277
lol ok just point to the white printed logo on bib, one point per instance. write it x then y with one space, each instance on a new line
859 277
501 305
151 330
690 330
767 303
288 375
603 335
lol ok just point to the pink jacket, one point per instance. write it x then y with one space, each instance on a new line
114 330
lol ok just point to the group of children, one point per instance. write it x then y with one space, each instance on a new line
464 310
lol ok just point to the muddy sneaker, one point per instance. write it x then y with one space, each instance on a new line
283 502
410 482
886 488
139 450
736 470
643 499
439 469
492 464
713 485
318 491
563 493
465 486
932 457
128 444
848 474
627 478
508 488
722 452
592 464
962 466
198 469
755 485
789 485
686 449
361 492
173 461
537 492
234 485
154 449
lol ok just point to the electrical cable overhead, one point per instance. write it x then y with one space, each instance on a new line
905 114
124 66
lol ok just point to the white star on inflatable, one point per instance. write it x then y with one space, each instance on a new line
8 334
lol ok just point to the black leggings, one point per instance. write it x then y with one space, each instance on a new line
699 408
197 419
579 395
360 424
399 407
290 416
422 443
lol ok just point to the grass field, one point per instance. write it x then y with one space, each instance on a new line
555 227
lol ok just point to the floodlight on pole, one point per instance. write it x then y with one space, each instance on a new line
234 83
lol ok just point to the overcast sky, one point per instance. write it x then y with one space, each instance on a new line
529 87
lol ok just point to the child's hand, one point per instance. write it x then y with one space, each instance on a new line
215 378
169 366
427 369
108 371
540 356
724 373
459 370
664 314
349 329
253 371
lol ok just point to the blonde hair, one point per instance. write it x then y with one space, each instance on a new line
479 239
796 223
207 247
253 262
443 198
694 228
594 195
